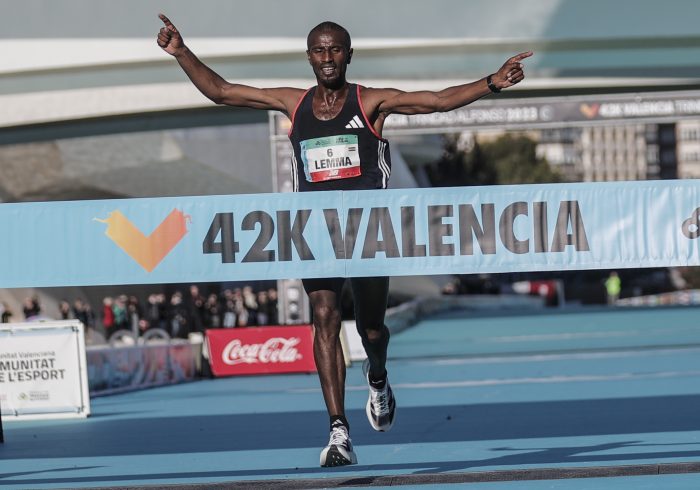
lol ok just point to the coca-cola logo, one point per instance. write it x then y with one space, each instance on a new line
273 350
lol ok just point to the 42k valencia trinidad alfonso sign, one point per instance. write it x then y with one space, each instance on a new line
360 233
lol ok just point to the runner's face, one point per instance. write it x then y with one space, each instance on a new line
329 58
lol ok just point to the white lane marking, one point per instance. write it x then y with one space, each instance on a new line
590 335
547 379
496 359
517 381
562 336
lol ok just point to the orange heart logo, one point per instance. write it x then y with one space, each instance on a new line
590 111
147 251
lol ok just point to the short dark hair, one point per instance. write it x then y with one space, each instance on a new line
329 26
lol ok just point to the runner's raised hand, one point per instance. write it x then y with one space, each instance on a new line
511 72
169 37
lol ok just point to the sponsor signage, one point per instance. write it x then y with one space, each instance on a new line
263 350
352 342
558 111
351 234
118 369
43 371
536 112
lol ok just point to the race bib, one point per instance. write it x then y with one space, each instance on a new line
331 157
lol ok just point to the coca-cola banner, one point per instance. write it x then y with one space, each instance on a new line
263 350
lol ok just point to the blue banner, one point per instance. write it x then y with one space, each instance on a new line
361 233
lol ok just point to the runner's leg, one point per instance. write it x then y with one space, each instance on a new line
371 295
324 295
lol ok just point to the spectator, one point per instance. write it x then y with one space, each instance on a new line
251 305
143 326
65 310
5 313
155 315
108 316
613 285
163 308
272 315
83 313
241 312
212 312
195 304
230 314
31 307
237 294
451 287
121 318
178 317
263 316
89 314
134 314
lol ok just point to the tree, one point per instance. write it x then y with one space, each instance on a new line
509 159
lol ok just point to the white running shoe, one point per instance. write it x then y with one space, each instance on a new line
381 405
339 451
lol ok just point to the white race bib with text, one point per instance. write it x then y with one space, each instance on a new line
331 158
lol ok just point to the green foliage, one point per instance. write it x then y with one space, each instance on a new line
509 159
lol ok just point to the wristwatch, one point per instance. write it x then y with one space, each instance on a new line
492 87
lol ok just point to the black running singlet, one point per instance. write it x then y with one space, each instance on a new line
344 153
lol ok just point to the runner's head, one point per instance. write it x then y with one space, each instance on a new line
329 26
329 52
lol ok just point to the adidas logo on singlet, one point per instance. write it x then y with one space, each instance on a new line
355 122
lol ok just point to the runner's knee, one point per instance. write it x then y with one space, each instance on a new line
375 335
326 317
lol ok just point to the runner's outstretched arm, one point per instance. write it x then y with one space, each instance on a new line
214 87
389 101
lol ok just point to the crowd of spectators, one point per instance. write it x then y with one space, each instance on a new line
178 314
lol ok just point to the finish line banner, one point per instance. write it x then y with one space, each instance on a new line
362 233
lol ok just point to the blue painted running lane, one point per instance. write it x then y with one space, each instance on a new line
654 482
560 389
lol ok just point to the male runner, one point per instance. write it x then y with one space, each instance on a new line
337 121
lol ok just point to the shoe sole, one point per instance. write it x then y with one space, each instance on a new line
334 456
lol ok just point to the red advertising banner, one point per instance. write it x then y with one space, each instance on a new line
263 350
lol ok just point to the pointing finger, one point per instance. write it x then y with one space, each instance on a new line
165 20
521 56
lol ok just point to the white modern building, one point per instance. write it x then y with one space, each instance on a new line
688 137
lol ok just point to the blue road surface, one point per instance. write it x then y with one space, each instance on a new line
556 400
657 482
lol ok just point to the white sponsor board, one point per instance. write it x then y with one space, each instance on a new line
355 351
43 371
